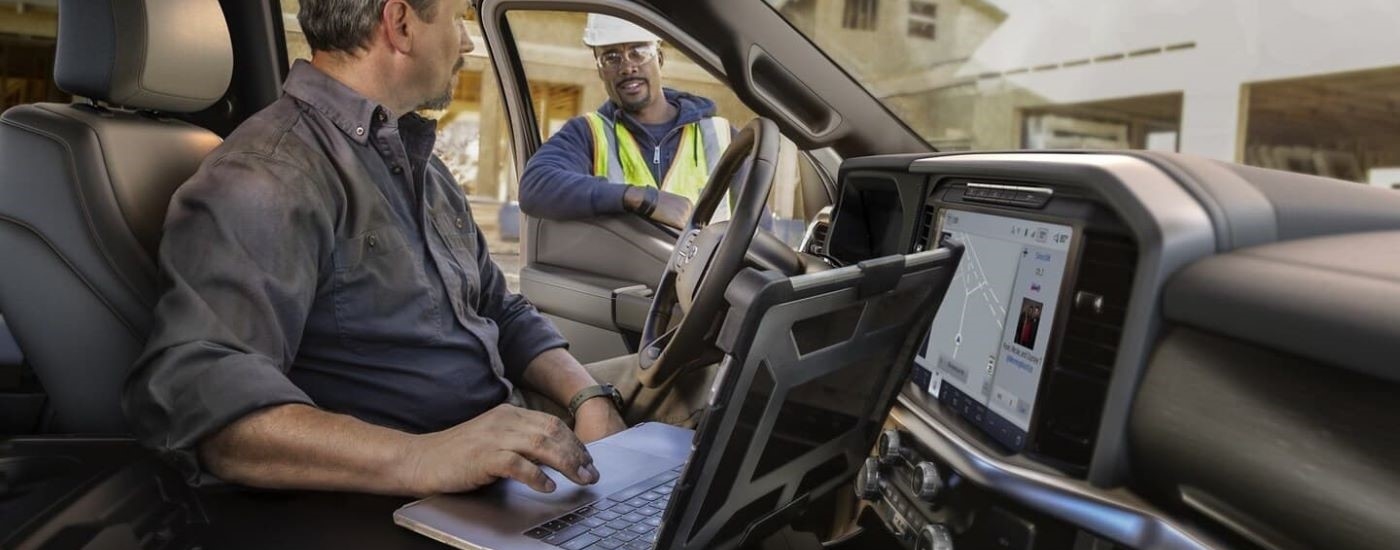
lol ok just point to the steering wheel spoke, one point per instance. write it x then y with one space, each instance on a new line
768 252
653 349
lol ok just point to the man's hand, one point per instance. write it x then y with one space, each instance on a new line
671 209
505 442
597 419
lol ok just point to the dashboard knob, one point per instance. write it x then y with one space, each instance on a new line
926 481
868 480
934 537
889 447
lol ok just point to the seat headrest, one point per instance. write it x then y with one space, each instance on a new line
162 55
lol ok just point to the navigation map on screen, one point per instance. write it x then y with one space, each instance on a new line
987 345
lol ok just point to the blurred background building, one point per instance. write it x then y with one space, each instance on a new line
1306 86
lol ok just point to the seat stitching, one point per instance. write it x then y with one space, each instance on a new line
76 272
82 200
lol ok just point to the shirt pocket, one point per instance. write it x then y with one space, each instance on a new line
458 231
382 298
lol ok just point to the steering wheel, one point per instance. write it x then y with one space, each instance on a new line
708 255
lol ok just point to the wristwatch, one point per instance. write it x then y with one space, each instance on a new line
600 390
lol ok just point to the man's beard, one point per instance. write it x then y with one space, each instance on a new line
634 107
437 103
442 100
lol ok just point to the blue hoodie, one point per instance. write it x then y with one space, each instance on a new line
558 182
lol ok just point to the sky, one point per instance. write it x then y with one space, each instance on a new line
1250 39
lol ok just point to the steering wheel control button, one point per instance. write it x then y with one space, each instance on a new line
927 483
934 537
685 253
868 480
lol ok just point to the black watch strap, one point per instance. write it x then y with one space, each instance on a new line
600 390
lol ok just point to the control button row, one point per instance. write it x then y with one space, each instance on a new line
1019 197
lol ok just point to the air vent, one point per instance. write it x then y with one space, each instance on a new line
815 242
1105 279
925 234
819 233
1078 380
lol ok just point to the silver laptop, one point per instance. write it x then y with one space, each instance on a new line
779 431
637 468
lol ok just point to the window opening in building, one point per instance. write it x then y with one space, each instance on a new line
1340 126
922 18
861 15
1146 122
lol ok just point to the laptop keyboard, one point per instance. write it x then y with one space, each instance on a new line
628 519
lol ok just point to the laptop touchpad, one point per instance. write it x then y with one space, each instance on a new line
618 467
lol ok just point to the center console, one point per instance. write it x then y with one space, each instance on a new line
996 440
1017 358
1023 346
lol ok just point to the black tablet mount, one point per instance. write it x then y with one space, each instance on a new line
813 365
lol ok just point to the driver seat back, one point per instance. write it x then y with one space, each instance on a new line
84 189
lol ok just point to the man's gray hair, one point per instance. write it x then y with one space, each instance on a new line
346 25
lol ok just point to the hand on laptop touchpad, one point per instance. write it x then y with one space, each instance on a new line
617 468
566 491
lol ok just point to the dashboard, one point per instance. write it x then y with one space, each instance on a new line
1023 422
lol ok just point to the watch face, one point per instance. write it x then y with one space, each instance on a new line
615 396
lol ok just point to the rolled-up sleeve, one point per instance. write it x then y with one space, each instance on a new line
242 254
524 332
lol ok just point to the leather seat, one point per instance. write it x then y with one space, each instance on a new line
84 189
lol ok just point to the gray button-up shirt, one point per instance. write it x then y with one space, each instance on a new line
323 255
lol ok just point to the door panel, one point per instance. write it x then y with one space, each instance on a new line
588 343
625 248
587 274
570 293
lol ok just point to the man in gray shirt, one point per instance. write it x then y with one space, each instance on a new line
333 319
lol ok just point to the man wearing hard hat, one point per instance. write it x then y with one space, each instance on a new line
648 150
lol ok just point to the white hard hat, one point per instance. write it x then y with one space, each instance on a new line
606 30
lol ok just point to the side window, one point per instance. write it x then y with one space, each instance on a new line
565 82
473 140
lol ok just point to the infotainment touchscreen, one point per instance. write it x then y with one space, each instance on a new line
987 346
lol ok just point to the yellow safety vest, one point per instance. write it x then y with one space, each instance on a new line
618 158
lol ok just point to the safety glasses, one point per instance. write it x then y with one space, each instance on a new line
635 54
